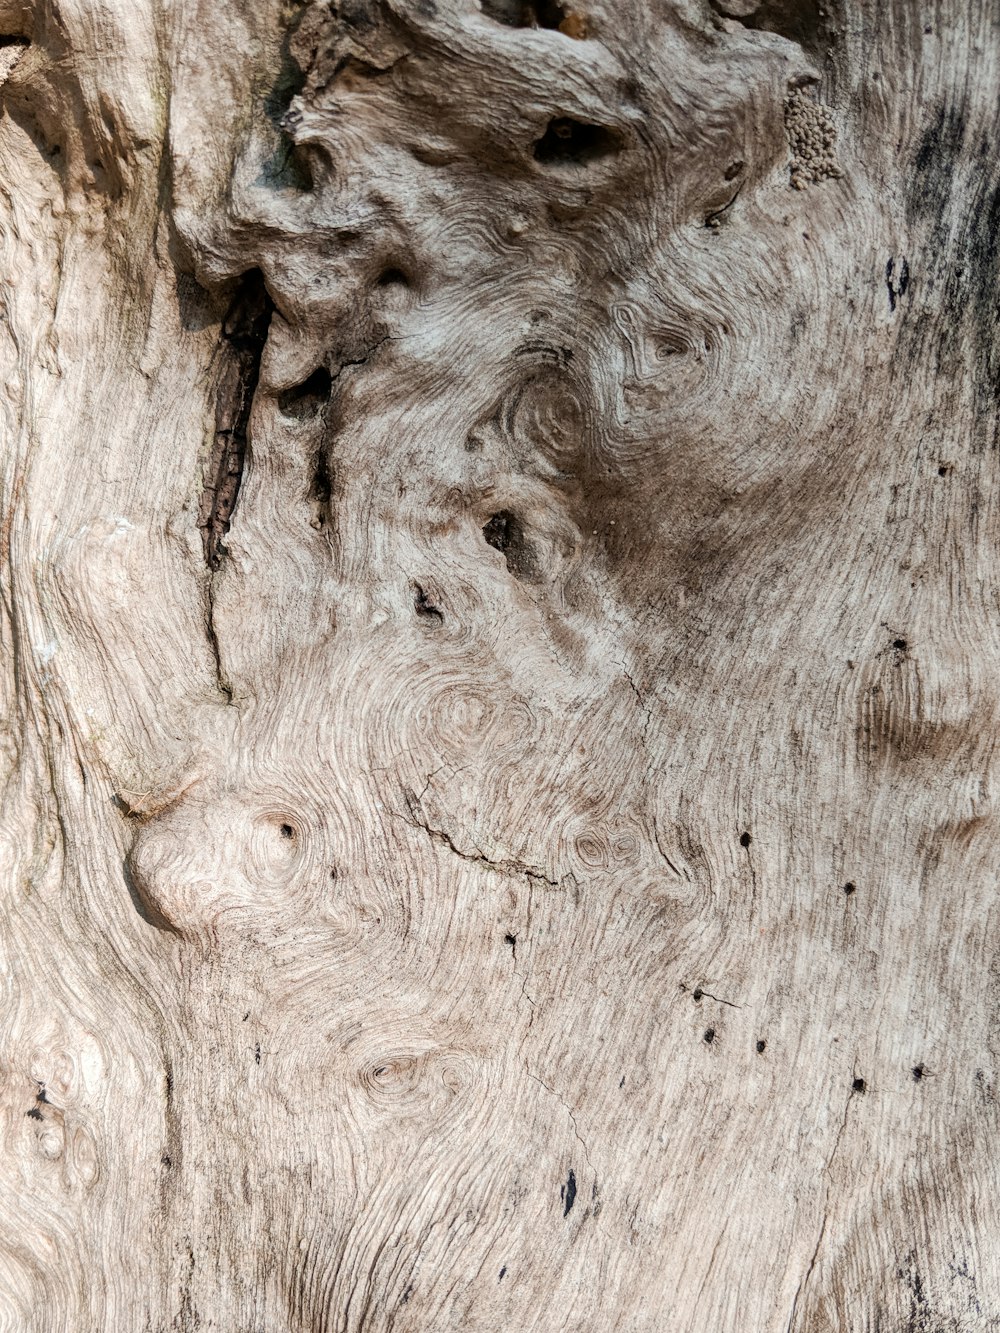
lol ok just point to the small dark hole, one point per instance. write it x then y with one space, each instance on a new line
745 840
547 14
511 940
698 994
393 277
761 1047
524 13
899 644
424 607
943 470
306 399
733 170
918 1072
858 1085
850 887
504 533
166 1159
710 1035
287 831
572 142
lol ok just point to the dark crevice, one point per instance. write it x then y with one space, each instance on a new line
12 48
307 399
289 165
424 607
567 1193
534 14
569 142
241 345
505 533
225 689
321 484
810 23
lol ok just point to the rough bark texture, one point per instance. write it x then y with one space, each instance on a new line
500 650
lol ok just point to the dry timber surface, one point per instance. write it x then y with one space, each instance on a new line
499 666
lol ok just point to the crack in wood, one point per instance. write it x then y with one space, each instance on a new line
241 345
506 867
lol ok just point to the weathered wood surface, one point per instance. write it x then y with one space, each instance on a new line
500 666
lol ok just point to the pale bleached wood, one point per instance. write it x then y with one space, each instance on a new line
500 667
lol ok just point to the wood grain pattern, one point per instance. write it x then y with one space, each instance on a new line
500 650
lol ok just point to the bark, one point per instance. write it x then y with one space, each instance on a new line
500 652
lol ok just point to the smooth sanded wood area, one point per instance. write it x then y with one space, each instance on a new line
499 666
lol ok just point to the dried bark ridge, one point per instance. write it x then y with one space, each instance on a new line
582 628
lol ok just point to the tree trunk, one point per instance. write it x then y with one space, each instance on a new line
500 665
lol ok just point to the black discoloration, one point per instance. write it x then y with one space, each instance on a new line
709 1036
745 839
939 146
761 1046
40 1095
897 281
959 251
567 1193
505 533
859 1085
33 1113
920 1317
569 142
503 1273
241 345
256 1053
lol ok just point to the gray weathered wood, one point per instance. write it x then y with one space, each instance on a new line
500 666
